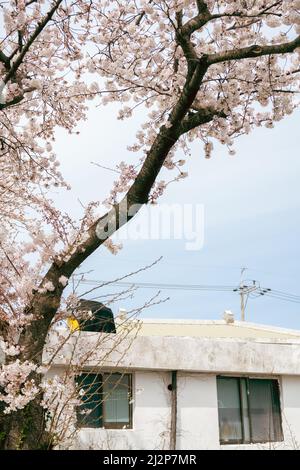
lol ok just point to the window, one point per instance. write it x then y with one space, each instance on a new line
89 413
249 410
106 400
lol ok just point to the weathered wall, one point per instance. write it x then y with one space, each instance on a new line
197 412
291 410
197 419
198 361
239 356
151 418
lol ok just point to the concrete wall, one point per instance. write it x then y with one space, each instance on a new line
197 412
197 418
151 418
291 410
198 360
207 355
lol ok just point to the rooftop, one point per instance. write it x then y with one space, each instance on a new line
210 329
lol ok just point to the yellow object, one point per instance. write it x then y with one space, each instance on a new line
73 324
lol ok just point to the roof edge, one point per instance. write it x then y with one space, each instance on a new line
236 323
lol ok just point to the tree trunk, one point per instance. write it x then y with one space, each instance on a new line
25 429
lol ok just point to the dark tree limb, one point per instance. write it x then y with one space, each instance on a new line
253 51
202 116
4 59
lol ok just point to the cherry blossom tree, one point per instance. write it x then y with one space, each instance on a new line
209 70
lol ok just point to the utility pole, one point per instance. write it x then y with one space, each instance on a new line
245 289
242 295
242 305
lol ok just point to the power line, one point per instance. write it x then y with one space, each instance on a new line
154 285
252 290
286 299
279 292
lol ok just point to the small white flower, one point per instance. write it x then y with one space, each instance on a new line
49 286
63 280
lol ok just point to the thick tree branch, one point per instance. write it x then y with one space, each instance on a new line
45 304
189 52
17 99
198 21
4 59
254 51
139 192
202 116
202 6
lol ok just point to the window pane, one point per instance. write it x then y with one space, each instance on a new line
278 435
264 410
89 413
229 409
116 390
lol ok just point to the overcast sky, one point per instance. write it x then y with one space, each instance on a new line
251 218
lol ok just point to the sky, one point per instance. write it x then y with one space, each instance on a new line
250 205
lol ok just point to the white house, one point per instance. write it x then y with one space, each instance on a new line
188 384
